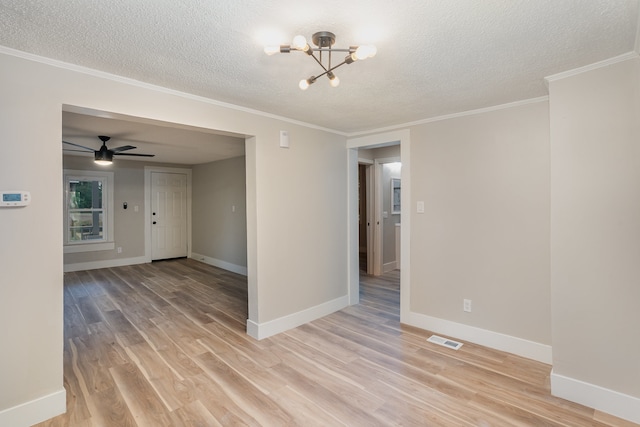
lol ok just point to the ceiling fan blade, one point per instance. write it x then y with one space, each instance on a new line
133 154
77 151
123 148
78 145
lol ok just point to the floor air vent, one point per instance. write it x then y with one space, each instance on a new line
444 342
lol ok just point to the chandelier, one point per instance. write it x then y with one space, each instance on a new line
324 41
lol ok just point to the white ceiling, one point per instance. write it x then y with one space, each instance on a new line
434 57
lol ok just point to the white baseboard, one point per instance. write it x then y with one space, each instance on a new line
220 264
35 411
390 266
496 340
605 400
265 330
92 265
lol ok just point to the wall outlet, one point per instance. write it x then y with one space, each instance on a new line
119 250
466 305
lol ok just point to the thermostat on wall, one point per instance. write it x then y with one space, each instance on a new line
14 198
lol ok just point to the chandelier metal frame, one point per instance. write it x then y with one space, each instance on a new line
324 41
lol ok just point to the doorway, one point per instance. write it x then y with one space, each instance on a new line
167 198
379 219
354 145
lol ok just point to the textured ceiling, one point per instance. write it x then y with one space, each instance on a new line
434 57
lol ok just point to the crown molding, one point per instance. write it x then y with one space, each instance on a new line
453 116
129 81
596 65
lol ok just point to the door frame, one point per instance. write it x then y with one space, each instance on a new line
378 140
147 206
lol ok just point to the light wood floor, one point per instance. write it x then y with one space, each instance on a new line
164 344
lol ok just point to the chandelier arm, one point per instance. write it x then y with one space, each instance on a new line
319 62
336 66
329 70
326 49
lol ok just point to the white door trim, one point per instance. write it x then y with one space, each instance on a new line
147 206
404 136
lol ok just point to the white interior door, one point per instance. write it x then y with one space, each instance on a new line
168 215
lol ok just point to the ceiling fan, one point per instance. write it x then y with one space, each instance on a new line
104 156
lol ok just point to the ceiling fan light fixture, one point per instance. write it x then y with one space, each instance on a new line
324 41
103 157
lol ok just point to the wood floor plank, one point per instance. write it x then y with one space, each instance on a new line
182 332
258 351
160 375
91 363
325 398
305 412
243 392
145 405
216 400
194 414
110 409
165 344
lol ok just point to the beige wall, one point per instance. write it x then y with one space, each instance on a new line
219 219
484 236
595 223
301 259
302 195
380 152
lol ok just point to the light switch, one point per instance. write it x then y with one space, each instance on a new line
420 207
284 139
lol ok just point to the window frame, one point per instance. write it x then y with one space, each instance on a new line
107 242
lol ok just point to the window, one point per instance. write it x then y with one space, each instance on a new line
88 211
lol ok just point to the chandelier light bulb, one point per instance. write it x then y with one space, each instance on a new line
365 51
372 51
300 43
334 81
304 84
270 50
